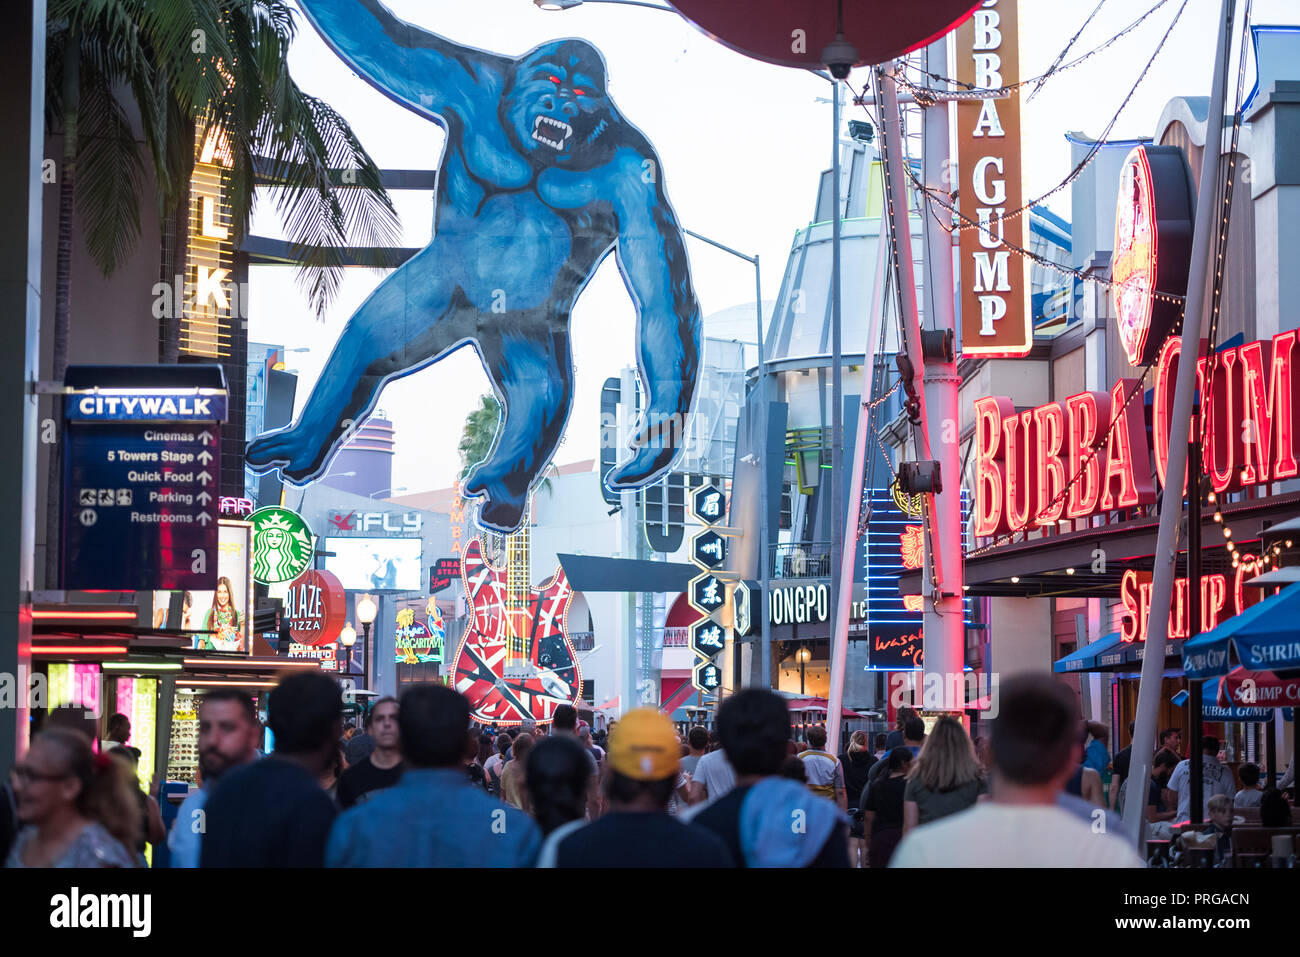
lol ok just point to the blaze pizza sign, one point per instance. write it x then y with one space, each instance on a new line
315 608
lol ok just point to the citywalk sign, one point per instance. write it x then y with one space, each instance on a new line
1024 458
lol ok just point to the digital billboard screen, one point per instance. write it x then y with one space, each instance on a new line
376 564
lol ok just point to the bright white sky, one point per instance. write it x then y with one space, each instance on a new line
742 144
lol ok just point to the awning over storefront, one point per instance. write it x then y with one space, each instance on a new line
1263 636
596 573
1106 652
1257 690
679 698
1211 710
818 704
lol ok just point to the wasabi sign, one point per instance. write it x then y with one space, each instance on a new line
282 545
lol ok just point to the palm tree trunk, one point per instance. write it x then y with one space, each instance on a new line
63 296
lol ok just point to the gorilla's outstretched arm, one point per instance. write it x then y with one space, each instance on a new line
419 69
652 257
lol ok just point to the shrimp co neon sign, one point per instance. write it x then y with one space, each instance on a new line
1135 598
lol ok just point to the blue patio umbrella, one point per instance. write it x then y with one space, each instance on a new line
1264 636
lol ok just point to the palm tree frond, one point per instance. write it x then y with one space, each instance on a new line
110 173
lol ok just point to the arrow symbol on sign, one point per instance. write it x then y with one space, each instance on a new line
205 437
205 457
204 498
205 478
204 518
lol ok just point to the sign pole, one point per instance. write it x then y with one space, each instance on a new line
765 467
22 102
1194 610
838 594
848 562
943 629
900 229
1171 504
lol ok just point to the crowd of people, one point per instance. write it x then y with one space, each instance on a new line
421 786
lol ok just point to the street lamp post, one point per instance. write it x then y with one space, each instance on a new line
366 611
803 655
556 5
760 390
307 488
348 638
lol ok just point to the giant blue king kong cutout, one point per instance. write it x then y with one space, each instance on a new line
540 178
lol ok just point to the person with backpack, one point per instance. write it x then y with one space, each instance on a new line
493 766
825 773
857 763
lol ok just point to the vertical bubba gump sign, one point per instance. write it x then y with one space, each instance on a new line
315 608
995 316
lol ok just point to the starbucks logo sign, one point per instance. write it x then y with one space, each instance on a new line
282 545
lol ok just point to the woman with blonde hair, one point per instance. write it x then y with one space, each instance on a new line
945 777
857 762
79 807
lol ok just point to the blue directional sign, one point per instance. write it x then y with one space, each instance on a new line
140 486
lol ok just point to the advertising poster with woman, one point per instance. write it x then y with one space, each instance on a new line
220 618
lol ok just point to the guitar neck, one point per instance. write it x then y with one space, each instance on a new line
518 587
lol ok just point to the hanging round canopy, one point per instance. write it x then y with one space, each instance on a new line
795 32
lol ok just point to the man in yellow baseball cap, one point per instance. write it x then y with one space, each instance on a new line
643 769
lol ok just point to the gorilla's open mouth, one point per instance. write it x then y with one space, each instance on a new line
554 133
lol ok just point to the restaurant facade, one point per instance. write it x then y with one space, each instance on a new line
1066 448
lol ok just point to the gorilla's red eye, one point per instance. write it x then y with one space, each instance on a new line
554 79
577 92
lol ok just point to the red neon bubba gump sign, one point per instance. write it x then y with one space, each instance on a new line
1023 459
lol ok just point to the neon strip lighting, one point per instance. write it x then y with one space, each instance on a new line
100 390
88 615
140 666
215 683
46 650
245 665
